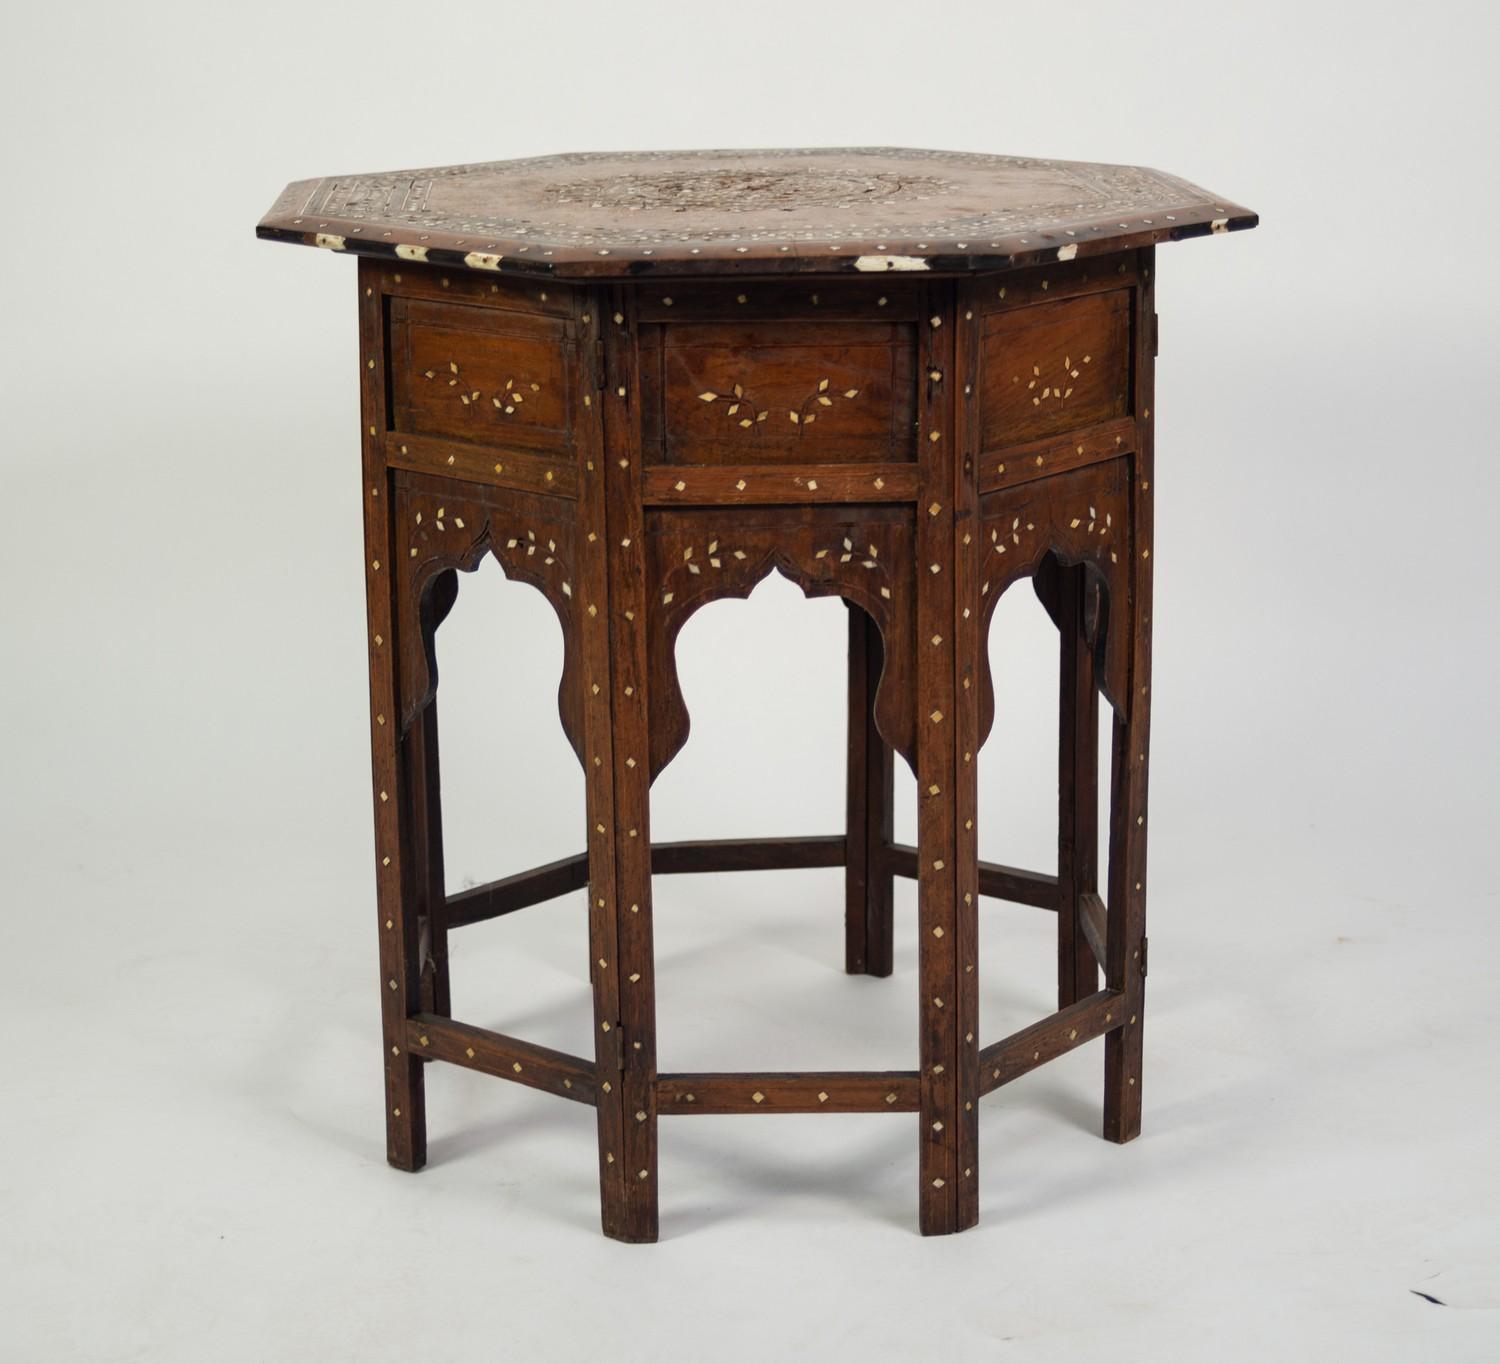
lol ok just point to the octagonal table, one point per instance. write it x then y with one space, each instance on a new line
643 381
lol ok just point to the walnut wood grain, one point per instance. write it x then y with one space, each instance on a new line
801 485
837 1091
939 944
630 690
1125 965
779 392
869 884
440 1039
1079 932
1053 367
1099 1014
482 375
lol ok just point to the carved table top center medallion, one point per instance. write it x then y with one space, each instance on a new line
745 191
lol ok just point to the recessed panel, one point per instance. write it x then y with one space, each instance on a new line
480 375
790 392
1054 367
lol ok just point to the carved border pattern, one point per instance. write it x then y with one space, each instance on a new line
864 556
445 529
1079 517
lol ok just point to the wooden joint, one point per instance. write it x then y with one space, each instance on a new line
432 1038
511 893
748 854
1012 1057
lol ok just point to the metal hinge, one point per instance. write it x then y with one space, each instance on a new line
1145 942
1155 333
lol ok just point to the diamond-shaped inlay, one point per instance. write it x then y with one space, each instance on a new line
757 1097
822 1096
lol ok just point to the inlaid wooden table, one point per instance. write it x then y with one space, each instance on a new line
643 381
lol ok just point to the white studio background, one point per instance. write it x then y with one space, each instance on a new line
190 1134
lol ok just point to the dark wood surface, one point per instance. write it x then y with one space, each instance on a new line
636 449
806 210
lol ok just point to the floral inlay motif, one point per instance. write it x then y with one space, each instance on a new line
523 543
1104 526
1097 524
713 556
505 402
533 546
998 540
1003 538
1058 391
869 559
737 400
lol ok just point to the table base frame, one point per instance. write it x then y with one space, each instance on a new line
611 549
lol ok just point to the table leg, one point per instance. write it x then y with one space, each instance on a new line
1077 785
400 931
938 801
427 861
395 877
1127 924
1126 930
629 719
970 639
868 881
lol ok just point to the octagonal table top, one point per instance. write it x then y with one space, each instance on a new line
781 211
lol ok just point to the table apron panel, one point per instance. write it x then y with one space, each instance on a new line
788 392
1047 368
483 376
